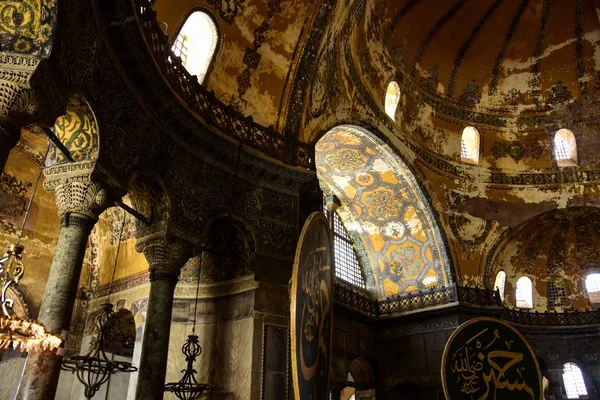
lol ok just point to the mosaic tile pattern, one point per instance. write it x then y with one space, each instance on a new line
389 214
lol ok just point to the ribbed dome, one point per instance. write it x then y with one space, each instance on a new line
496 53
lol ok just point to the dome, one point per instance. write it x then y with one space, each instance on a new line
495 53
558 246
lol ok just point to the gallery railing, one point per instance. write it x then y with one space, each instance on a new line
360 300
216 113
567 318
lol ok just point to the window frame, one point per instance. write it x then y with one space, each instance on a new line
469 155
394 102
173 37
585 285
567 137
530 296
500 290
577 389
348 242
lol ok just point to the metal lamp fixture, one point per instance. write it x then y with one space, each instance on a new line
188 387
18 333
95 368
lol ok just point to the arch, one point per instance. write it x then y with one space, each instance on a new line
524 293
592 287
573 381
500 283
78 131
361 372
229 251
347 265
147 196
196 42
404 251
565 148
392 98
120 336
469 145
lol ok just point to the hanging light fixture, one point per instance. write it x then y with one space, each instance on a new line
188 387
95 368
19 333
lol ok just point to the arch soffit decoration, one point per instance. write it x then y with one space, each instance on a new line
392 216
78 130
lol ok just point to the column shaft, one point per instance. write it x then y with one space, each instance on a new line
40 377
155 347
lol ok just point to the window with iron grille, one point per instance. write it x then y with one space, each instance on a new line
469 145
180 48
592 286
347 266
557 293
573 380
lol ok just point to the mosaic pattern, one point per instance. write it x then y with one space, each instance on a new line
384 209
78 131
27 26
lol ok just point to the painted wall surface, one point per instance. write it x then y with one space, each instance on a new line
258 41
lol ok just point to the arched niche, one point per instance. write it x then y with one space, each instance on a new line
402 250
228 253
78 131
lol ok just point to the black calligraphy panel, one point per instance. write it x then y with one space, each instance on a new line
311 310
486 358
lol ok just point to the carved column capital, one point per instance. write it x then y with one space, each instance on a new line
75 191
15 74
166 255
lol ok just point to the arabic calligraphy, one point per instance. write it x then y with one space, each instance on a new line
312 310
316 308
489 359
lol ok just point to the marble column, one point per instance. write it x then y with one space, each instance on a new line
80 201
166 258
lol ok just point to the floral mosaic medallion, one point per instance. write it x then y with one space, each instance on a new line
365 179
382 204
346 160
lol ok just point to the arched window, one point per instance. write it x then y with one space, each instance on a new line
592 286
392 98
565 148
500 283
347 267
573 380
196 43
524 293
469 145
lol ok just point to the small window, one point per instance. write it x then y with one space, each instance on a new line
196 44
524 293
392 98
573 380
565 148
500 283
557 293
469 145
592 286
347 266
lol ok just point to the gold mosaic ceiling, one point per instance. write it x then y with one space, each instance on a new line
385 211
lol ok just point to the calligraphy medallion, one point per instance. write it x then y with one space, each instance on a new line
486 358
311 310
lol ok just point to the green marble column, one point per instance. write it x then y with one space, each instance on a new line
79 201
166 258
